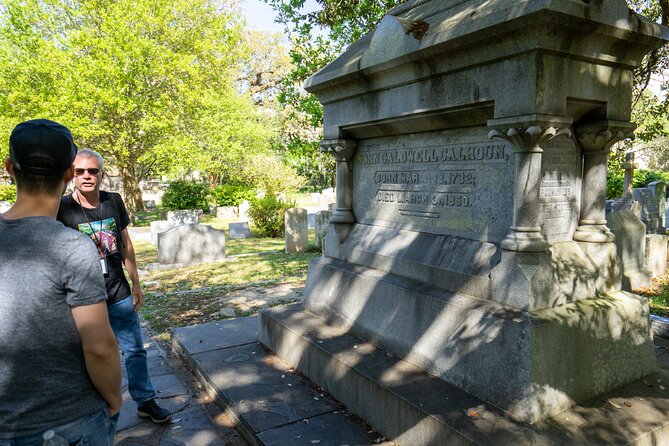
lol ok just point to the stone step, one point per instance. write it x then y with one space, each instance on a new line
272 404
414 408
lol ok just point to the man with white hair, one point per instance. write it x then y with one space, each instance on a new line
103 217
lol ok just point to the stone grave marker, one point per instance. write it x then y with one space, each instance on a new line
297 230
184 217
225 212
630 241
469 236
191 244
239 230
321 227
159 226
243 213
656 254
651 205
627 200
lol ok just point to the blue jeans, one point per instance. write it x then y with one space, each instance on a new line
124 321
92 430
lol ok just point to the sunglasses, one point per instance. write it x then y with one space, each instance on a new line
91 171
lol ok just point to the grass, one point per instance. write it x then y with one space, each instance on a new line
658 295
195 294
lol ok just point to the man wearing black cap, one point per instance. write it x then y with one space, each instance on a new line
59 362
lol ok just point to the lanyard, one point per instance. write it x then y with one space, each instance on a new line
86 220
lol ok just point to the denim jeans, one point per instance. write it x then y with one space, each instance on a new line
92 430
124 321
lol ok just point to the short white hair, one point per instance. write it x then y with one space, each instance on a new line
93 154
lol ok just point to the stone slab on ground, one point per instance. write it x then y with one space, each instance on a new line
411 407
273 404
190 426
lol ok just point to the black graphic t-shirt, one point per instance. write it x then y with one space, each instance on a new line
103 225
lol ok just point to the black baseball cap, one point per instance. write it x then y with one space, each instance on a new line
41 147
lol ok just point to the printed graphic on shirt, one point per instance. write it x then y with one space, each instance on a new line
103 233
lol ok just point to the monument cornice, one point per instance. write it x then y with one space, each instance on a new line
341 149
600 136
529 133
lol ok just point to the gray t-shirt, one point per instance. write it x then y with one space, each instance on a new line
44 269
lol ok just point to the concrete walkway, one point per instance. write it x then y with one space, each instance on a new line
197 421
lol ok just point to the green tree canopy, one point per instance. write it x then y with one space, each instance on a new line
150 85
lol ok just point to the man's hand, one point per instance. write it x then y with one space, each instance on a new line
137 296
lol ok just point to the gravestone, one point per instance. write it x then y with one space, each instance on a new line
225 212
159 226
297 230
656 254
191 244
652 201
469 236
243 213
321 227
627 200
184 217
239 230
630 234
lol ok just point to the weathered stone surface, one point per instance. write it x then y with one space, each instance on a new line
630 241
217 335
184 217
159 226
656 254
471 147
321 226
225 212
653 206
297 230
244 211
239 230
191 244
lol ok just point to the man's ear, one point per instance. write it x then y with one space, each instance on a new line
9 167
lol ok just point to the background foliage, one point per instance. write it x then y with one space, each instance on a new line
184 194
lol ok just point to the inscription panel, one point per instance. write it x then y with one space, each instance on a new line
560 189
455 182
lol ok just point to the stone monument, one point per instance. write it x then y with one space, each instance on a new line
627 200
296 230
191 244
469 236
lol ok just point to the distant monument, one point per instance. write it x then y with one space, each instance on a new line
469 236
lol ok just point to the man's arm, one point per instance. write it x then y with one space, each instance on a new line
100 352
131 266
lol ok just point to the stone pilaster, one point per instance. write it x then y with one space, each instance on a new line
527 139
342 150
596 140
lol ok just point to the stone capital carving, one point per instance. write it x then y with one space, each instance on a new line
341 149
601 136
529 139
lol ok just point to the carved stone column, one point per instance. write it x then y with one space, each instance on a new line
525 235
596 140
342 150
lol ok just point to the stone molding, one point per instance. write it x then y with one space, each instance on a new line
529 139
601 136
343 151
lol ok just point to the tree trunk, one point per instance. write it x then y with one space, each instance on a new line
132 192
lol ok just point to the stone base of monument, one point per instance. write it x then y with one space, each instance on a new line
412 407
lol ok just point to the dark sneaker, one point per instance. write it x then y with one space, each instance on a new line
151 409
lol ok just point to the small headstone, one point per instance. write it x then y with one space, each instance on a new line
322 222
332 207
311 220
239 230
244 210
149 204
225 212
297 230
184 217
191 244
656 254
159 226
5 206
652 201
630 242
